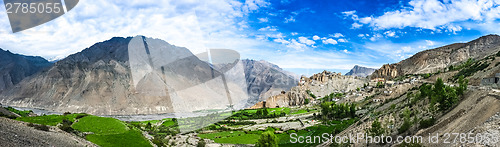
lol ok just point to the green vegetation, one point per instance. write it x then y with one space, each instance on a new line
331 110
128 138
233 137
110 132
427 123
376 129
39 127
407 122
51 120
310 93
445 96
259 113
22 113
100 125
380 85
267 139
469 68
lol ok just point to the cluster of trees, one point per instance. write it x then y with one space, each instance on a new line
445 96
260 114
337 111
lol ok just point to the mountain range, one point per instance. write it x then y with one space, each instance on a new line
100 80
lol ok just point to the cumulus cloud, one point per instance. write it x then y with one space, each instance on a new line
329 41
342 40
337 35
289 19
263 19
316 37
390 33
448 15
306 41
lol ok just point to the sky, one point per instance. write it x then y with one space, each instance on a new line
302 36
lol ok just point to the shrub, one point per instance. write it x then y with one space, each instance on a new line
81 116
267 139
427 123
66 126
41 127
201 143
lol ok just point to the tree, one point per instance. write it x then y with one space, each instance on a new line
376 129
265 112
353 110
267 139
148 126
462 85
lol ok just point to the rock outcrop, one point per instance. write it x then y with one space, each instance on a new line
433 60
320 85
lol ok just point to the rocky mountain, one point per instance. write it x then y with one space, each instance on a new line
433 60
360 71
15 67
135 75
265 79
320 85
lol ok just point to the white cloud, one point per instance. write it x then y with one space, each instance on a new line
361 35
429 43
289 19
329 41
342 40
390 33
263 19
282 41
316 37
448 15
351 14
296 45
346 51
269 28
294 33
306 41
337 35
375 37
356 25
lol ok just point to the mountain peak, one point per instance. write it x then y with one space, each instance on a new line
360 71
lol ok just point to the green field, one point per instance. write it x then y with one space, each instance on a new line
51 120
233 137
100 125
251 137
110 132
130 138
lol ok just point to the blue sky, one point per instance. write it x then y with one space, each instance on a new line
303 36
